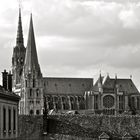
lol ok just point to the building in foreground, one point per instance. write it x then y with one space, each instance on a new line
63 93
8 109
113 96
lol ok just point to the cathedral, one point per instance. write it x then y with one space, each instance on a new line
107 95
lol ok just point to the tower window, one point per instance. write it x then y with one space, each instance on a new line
37 112
31 112
37 92
33 82
30 92
25 83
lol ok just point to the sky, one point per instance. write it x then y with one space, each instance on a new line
77 38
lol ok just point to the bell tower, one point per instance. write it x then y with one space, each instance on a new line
18 55
32 86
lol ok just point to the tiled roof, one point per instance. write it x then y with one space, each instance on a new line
8 95
75 86
124 85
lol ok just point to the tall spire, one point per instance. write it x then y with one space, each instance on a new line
31 59
19 39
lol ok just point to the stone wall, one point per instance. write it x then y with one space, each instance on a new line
81 125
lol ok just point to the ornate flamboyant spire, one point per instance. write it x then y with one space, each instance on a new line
19 39
31 59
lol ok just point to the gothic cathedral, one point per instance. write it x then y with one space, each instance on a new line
107 95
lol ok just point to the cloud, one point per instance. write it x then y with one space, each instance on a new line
77 37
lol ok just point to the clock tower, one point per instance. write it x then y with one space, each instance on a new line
18 55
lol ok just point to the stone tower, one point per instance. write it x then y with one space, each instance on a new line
32 86
18 56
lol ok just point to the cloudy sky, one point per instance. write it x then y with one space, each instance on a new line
77 38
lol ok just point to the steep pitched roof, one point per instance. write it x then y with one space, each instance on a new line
67 86
124 85
95 86
31 59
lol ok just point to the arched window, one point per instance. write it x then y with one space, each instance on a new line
37 92
31 112
30 92
37 112
25 83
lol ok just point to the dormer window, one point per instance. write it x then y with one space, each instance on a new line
83 85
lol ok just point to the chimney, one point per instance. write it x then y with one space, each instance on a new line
10 81
4 79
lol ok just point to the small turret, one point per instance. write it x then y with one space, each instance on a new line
100 83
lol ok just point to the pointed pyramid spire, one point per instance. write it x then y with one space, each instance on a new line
31 59
100 78
19 39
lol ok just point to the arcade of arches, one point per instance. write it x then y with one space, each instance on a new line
65 102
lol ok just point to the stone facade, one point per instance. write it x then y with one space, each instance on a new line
8 111
112 96
85 126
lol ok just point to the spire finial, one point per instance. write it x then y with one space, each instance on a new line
100 77
107 74
130 76
19 39
19 2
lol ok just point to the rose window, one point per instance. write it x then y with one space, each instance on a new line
108 101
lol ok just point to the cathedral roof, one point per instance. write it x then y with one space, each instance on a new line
31 59
67 86
124 85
